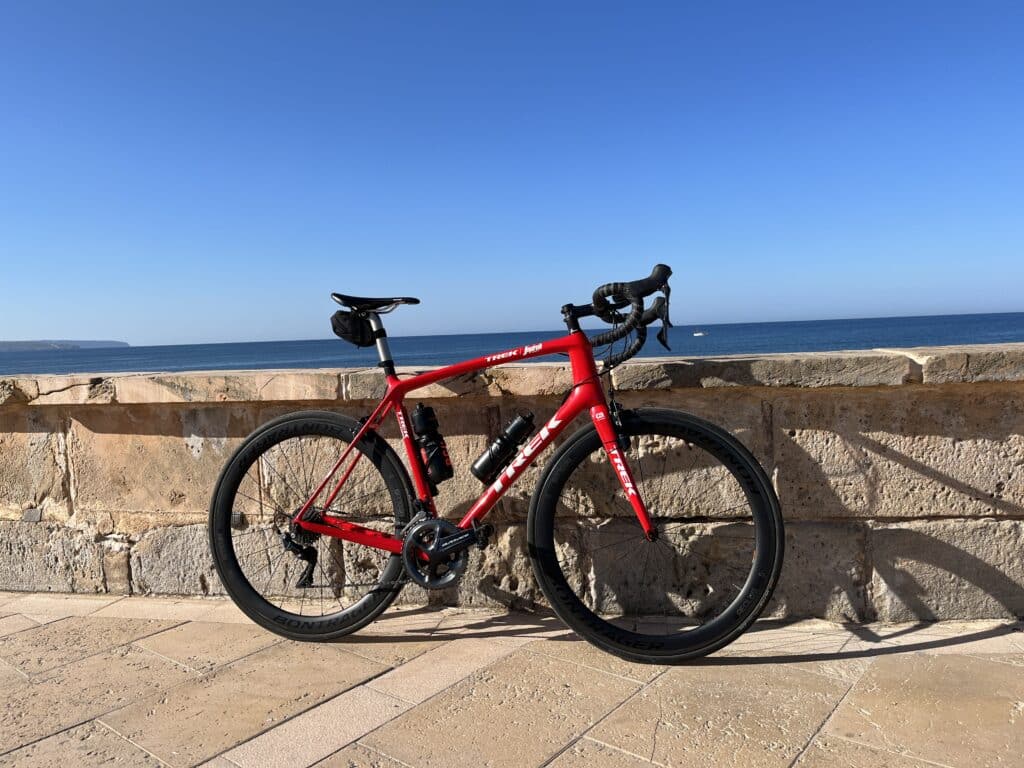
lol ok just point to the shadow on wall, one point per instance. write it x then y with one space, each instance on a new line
876 534
954 552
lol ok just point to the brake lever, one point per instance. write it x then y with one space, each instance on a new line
665 322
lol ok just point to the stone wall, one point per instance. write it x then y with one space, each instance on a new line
900 472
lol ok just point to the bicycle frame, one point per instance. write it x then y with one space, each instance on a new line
587 394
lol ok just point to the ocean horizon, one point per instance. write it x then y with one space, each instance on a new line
421 351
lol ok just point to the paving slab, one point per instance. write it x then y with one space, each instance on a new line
15 623
358 756
440 668
957 710
211 714
10 676
979 637
519 711
833 752
227 613
735 714
576 651
76 693
396 638
53 645
86 746
316 734
59 606
161 608
509 627
204 646
586 753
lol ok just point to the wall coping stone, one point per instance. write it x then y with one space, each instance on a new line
852 368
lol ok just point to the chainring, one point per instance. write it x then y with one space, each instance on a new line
424 561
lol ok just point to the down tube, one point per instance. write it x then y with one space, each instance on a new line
581 399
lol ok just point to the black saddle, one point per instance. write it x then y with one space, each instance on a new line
363 304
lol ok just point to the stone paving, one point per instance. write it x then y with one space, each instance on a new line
150 682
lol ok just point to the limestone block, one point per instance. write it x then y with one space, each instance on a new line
42 557
231 386
75 389
32 463
901 453
148 465
174 561
947 569
969 363
808 369
116 571
17 390
823 573
367 384
501 574
742 413
534 380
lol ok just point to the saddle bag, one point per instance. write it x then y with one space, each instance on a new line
352 328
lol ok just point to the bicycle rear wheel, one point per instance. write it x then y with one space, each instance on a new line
262 560
706 576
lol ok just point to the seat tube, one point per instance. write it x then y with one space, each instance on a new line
610 440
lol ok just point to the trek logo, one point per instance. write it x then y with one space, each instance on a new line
514 353
620 467
401 424
502 355
531 448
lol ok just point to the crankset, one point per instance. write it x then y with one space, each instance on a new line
435 551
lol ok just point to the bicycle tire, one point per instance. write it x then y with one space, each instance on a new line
555 527
391 490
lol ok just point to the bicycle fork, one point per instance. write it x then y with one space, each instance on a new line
607 430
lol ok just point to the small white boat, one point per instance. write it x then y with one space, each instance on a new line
699 333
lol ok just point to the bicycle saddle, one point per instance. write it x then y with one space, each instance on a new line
363 304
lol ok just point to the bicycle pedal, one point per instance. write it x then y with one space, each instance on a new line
483 535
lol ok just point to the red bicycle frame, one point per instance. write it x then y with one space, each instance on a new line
586 394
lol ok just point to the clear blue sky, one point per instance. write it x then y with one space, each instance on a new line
209 171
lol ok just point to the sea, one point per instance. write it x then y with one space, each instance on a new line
422 351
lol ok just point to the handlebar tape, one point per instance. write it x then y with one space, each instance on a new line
632 293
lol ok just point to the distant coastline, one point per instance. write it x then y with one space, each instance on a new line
45 344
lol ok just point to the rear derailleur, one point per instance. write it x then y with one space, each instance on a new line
302 544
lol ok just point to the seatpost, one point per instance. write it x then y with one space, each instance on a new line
380 336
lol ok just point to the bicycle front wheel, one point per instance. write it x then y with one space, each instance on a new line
706 575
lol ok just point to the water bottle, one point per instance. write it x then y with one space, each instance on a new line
496 457
433 449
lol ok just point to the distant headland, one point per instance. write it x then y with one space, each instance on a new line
36 346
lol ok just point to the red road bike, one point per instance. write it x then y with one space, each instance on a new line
653 534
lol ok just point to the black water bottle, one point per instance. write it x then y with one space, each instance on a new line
433 450
494 459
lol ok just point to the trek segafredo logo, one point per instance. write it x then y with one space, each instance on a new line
539 439
620 467
518 352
